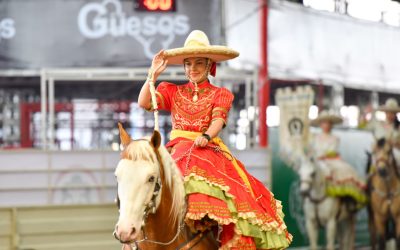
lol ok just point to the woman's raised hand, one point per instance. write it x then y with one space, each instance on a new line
159 64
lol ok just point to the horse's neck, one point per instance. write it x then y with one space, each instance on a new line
394 180
159 226
318 185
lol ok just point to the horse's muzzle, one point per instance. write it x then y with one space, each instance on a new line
304 193
117 238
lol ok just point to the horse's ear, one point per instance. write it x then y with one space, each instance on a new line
156 139
123 135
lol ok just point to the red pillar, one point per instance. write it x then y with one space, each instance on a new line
264 84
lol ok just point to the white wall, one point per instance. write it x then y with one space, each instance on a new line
309 44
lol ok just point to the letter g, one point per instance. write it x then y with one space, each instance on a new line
99 28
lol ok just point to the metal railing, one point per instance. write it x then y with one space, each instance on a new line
58 227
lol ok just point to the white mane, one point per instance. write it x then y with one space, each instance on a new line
142 150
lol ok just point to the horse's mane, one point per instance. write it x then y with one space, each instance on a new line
380 144
142 150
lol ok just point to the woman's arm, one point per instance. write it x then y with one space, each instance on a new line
212 131
158 65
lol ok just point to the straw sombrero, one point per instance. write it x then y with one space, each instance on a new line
327 116
198 45
391 105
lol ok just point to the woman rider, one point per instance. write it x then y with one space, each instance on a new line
221 195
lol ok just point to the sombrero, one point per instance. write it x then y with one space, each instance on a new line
328 116
198 45
391 105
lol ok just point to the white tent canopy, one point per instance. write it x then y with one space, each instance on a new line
307 44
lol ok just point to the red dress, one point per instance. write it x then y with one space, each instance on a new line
218 187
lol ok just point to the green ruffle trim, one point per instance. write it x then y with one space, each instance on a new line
263 239
343 190
272 239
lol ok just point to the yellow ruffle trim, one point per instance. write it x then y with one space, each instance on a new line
267 235
347 190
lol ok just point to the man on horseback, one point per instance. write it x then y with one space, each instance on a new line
384 177
221 194
388 129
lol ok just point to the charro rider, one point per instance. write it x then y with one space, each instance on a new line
388 129
221 195
342 179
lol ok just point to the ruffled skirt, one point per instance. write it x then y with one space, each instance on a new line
247 214
343 180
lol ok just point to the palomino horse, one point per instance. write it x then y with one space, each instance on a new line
322 210
151 199
384 192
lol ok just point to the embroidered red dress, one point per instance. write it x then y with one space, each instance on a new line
217 185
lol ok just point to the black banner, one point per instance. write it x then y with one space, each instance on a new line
95 33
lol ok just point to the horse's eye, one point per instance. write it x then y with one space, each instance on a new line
151 179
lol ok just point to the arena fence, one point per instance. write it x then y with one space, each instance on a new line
86 227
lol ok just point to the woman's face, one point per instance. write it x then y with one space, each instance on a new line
390 116
196 68
326 126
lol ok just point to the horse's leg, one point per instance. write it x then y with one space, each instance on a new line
371 226
347 233
312 231
341 233
396 218
330 233
352 232
380 225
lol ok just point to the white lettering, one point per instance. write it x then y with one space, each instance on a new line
182 25
133 26
149 26
7 28
99 28
97 20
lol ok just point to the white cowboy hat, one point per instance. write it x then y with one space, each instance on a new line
328 116
198 45
391 105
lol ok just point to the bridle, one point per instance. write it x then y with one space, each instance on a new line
308 194
388 194
151 208
315 201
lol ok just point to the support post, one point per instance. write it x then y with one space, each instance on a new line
264 83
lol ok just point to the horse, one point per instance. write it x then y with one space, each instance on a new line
151 199
384 193
322 210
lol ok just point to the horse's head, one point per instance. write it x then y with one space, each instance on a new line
307 171
383 158
138 177
149 183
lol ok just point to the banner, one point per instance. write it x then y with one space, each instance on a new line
94 33
294 106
